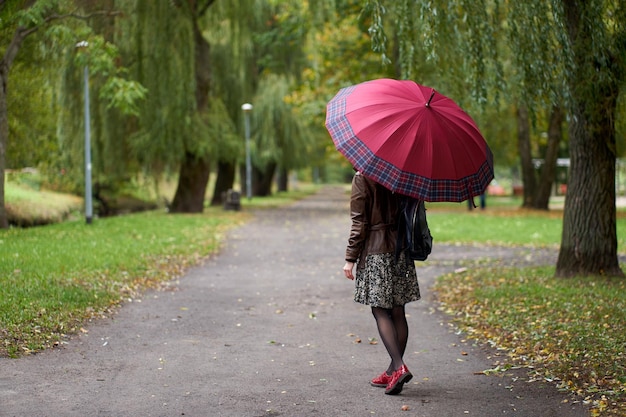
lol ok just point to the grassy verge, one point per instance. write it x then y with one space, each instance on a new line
567 331
29 207
504 224
53 278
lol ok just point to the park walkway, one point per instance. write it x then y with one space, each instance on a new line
268 328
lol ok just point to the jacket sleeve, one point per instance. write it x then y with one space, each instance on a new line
359 216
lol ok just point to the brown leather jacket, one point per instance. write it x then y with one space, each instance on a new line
373 209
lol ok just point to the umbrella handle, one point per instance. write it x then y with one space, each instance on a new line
431 98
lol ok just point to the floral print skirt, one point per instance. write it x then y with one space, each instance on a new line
381 282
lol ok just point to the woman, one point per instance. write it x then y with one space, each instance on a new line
383 281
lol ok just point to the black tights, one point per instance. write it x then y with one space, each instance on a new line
394 331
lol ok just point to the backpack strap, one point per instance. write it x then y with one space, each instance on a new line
401 223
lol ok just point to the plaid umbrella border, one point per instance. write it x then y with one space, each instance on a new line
390 176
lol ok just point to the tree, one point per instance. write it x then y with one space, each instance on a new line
340 55
266 42
195 167
281 141
541 196
585 69
593 36
164 48
230 28
26 18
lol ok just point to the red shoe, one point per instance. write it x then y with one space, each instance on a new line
382 380
399 377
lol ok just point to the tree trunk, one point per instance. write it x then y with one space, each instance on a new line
4 134
589 240
548 170
283 180
523 146
195 169
5 65
224 182
262 186
192 183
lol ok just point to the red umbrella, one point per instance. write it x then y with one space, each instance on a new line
411 139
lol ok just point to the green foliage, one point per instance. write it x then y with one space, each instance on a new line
233 66
340 54
538 68
287 28
226 142
123 95
46 86
156 41
485 42
280 136
32 117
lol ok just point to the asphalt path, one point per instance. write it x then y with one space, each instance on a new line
268 328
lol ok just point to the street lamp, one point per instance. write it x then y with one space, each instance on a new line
247 108
88 192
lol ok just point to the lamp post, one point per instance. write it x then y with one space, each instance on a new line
88 192
247 108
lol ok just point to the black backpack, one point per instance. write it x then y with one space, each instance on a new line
413 232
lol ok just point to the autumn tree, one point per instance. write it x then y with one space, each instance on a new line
589 53
340 54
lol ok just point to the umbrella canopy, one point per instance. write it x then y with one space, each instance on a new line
411 139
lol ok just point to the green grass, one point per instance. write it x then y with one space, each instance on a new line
27 206
496 229
503 223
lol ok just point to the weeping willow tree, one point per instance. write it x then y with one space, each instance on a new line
589 52
234 74
265 41
166 53
281 140
157 40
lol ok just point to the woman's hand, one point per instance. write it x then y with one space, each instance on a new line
347 270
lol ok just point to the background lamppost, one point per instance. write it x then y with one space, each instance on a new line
88 192
247 108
